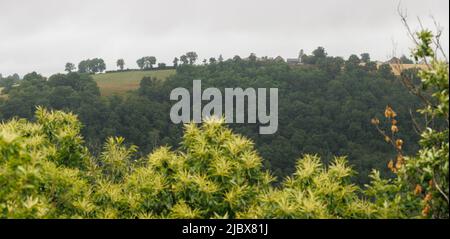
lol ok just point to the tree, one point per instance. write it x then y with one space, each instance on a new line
141 63
92 66
192 57
319 52
331 65
220 58
175 62
385 71
69 67
317 55
428 171
15 76
406 60
7 84
365 57
352 62
422 184
151 60
146 62
84 67
184 59
120 63
67 181
212 60
161 65
252 57
97 65
354 59
33 76
371 66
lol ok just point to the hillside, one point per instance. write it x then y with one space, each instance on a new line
121 82
2 95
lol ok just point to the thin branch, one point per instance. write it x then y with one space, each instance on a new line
440 190
416 125
438 40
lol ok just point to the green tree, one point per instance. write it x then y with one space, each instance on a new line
365 57
319 52
84 67
140 63
146 62
69 67
97 65
92 66
421 188
405 60
354 60
352 63
429 169
7 84
184 59
63 180
252 57
192 57
151 60
121 64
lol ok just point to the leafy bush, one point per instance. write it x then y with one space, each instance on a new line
46 172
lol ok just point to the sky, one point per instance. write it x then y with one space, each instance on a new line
42 35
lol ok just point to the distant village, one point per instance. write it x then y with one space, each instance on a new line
397 64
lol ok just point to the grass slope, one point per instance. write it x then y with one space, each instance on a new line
121 82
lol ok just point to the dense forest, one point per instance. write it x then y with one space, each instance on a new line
325 107
59 165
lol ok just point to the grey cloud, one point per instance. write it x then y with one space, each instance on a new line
42 35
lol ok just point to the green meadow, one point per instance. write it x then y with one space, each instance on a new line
121 82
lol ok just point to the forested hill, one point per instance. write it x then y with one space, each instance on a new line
325 108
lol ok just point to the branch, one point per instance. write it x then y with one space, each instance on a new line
439 189
416 126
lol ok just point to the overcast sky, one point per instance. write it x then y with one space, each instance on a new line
42 35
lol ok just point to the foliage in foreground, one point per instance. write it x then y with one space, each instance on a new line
423 180
46 172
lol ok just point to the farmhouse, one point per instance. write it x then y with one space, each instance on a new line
293 61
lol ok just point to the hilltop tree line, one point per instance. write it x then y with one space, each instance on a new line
46 171
97 65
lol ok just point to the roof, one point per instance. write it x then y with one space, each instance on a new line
292 60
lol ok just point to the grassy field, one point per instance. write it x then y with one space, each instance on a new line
121 82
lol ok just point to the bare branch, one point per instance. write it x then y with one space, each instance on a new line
416 125
437 41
